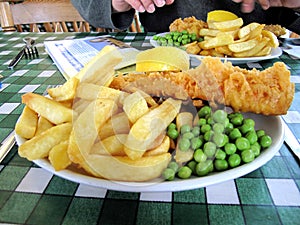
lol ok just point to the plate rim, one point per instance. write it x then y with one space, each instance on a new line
275 52
159 185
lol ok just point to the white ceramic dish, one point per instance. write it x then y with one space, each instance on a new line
275 53
286 37
272 125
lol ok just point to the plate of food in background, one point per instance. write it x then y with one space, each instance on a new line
230 40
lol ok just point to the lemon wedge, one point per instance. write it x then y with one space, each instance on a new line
220 15
162 58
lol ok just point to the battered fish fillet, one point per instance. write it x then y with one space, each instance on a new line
267 92
190 24
276 29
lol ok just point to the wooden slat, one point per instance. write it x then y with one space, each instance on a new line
51 13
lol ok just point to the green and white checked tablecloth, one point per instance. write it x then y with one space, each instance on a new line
31 195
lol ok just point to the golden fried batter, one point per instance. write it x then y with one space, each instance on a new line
190 24
275 29
267 92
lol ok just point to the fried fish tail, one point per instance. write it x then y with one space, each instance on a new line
268 92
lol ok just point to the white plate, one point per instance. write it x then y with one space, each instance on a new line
272 125
286 37
275 53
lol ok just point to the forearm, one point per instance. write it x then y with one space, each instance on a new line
295 26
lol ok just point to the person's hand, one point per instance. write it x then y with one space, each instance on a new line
247 6
139 5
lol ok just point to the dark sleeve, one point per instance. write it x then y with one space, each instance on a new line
286 17
99 14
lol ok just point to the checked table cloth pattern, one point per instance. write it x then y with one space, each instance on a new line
31 195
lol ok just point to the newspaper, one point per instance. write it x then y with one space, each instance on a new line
70 56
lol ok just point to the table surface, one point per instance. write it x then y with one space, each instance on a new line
31 195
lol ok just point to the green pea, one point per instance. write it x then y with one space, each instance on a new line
210 120
242 143
234 160
168 174
255 148
260 133
200 39
201 121
172 126
234 134
204 128
228 128
188 135
199 156
220 139
231 115
252 137
185 36
219 116
184 41
163 39
208 135
155 37
185 128
220 164
196 143
209 149
170 42
265 141
218 127
237 120
175 37
184 172
174 166
220 154
194 37
196 131
245 128
203 168
177 44
249 121
173 133
230 148
226 121
184 144
179 39
192 165
168 36
205 110
247 156
175 32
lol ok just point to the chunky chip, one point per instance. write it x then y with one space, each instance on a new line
39 146
48 108
147 128
58 156
27 124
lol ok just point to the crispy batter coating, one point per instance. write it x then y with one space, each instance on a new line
276 29
267 92
190 24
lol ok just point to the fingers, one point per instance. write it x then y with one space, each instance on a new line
248 6
148 5
265 4
169 2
